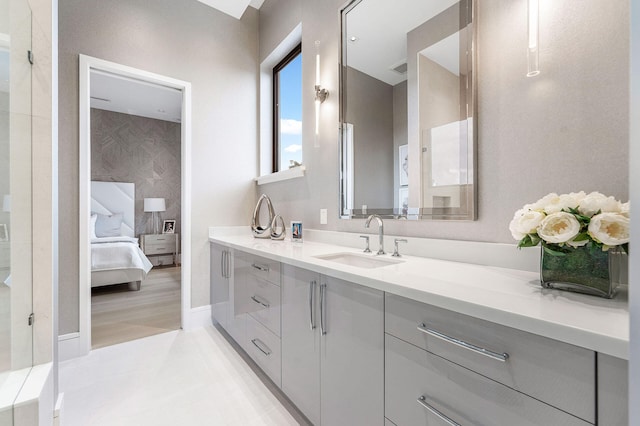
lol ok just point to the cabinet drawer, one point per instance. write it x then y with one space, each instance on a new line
262 268
150 249
416 379
557 373
264 348
169 239
263 303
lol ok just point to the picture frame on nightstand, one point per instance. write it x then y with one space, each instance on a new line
169 226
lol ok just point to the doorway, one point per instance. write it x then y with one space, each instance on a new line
158 300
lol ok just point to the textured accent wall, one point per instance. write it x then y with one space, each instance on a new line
129 148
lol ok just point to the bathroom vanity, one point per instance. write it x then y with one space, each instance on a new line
359 339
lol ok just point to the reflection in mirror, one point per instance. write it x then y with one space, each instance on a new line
407 108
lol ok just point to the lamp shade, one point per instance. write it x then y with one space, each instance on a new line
6 203
154 205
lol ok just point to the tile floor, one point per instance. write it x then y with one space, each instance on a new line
176 378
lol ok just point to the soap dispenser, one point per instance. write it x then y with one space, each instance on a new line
257 229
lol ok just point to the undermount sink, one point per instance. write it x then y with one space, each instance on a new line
359 260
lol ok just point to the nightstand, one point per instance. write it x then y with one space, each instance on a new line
160 246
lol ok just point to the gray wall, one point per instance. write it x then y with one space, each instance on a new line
129 148
565 130
186 40
370 110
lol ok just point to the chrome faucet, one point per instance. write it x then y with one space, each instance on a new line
380 231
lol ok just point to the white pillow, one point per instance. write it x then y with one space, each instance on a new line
92 226
109 225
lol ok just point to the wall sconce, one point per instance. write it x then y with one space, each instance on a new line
321 95
153 206
533 67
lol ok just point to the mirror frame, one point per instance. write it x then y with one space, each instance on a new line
468 194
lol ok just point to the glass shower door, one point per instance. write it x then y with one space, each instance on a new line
16 240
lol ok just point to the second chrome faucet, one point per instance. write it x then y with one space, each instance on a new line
380 231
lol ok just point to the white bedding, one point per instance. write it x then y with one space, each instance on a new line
111 253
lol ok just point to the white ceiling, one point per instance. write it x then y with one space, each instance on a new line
381 28
128 96
234 8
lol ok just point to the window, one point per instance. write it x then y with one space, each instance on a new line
287 111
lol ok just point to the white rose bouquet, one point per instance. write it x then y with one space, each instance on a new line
563 222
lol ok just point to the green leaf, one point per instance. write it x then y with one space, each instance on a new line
581 237
530 240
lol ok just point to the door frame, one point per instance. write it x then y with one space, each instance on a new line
88 63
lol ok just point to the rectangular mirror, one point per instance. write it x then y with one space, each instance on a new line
408 94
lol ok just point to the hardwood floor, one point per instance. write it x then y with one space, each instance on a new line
120 315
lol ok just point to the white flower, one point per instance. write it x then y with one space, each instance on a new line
559 228
610 229
624 209
595 202
578 196
542 202
560 203
525 222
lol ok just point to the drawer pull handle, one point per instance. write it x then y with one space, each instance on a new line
259 302
323 307
502 357
312 320
265 351
260 267
422 401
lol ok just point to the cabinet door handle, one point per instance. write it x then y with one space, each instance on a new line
502 357
323 291
260 344
259 302
422 401
226 264
312 321
222 258
260 267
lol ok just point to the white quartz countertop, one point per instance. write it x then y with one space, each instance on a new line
510 297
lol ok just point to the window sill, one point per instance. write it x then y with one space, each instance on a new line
293 173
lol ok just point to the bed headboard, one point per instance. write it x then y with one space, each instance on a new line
115 197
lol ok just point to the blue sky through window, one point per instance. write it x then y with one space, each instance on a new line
291 113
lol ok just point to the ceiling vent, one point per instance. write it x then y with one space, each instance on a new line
401 68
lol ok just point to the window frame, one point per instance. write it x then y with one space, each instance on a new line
289 57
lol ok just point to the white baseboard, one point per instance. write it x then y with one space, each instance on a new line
57 411
198 317
69 346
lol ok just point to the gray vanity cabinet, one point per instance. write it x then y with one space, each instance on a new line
541 380
557 373
332 348
221 269
301 340
613 393
423 388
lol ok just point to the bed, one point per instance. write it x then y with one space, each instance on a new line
116 257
